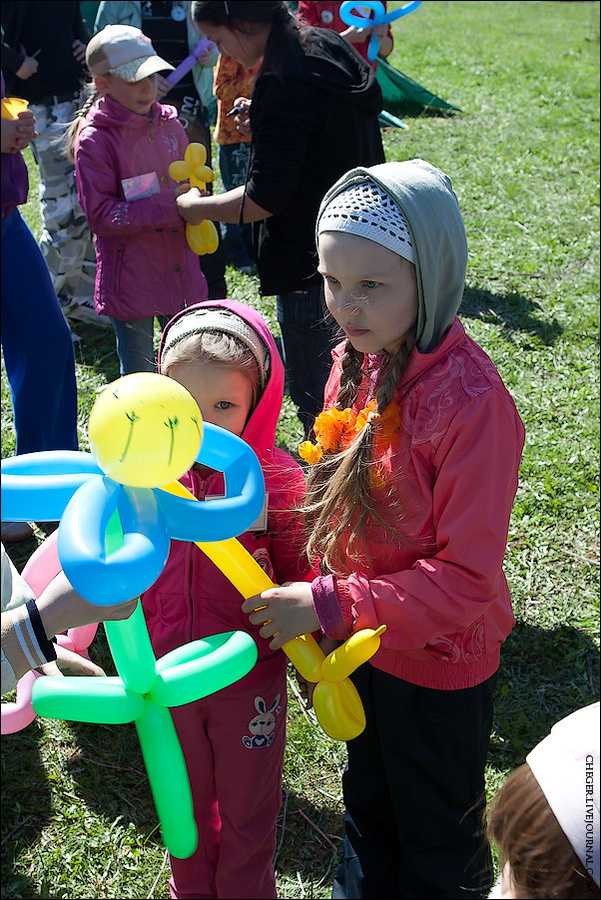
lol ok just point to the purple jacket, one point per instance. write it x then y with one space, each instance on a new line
15 179
144 264
192 599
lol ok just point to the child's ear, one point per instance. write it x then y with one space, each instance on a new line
102 84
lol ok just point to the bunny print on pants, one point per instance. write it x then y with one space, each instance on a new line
262 726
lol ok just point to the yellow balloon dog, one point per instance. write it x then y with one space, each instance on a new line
202 238
336 702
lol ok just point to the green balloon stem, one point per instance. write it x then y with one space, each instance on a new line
128 639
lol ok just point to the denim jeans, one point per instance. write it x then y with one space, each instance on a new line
135 343
307 342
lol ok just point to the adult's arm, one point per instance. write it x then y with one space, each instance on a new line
194 207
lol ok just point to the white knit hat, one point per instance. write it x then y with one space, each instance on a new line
366 210
219 320
566 766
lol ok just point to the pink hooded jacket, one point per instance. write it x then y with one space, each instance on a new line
192 599
439 587
144 265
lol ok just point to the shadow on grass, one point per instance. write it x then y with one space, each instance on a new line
24 820
97 350
512 311
310 838
109 770
544 675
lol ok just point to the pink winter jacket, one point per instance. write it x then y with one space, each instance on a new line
452 473
144 265
192 599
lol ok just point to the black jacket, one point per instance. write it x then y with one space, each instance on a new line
312 119
49 28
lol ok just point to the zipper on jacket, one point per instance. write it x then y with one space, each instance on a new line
199 489
118 268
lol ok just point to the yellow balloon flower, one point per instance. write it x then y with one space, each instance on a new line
202 238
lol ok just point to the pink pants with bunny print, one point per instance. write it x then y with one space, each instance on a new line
234 745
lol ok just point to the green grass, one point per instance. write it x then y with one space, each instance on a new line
77 818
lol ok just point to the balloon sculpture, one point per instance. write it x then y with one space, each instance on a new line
202 238
336 702
190 61
380 17
118 508
113 541
38 572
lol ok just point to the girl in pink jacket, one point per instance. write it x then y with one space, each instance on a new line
414 472
233 741
122 146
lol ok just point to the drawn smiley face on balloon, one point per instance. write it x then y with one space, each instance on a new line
145 432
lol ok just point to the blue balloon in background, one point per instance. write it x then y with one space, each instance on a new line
70 486
379 18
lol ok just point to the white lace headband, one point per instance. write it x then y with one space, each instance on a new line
366 210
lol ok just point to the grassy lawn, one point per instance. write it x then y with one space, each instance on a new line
77 816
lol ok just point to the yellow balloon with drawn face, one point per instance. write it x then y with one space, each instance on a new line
145 430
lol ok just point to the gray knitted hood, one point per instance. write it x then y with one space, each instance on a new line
427 200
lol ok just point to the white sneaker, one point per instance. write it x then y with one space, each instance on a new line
86 312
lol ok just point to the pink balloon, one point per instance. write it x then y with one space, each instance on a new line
40 569
43 565
18 715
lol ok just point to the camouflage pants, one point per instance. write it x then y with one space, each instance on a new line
66 240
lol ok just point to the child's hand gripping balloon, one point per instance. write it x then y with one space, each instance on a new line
335 699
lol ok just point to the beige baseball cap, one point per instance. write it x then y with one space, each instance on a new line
124 51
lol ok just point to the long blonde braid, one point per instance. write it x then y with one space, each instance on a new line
78 122
340 499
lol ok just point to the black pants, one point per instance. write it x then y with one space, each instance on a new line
414 793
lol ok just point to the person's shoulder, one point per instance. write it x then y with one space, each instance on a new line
325 42
482 364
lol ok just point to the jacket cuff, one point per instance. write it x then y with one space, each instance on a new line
327 608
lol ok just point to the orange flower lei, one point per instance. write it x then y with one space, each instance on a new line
336 429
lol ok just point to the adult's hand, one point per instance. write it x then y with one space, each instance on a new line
79 50
242 118
69 663
17 133
28 67
61 608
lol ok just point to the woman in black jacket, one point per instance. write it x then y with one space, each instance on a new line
313 116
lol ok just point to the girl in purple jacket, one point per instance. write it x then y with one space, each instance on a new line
122 145
233 741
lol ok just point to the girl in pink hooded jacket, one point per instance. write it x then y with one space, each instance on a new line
233 741
122 145
409 500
